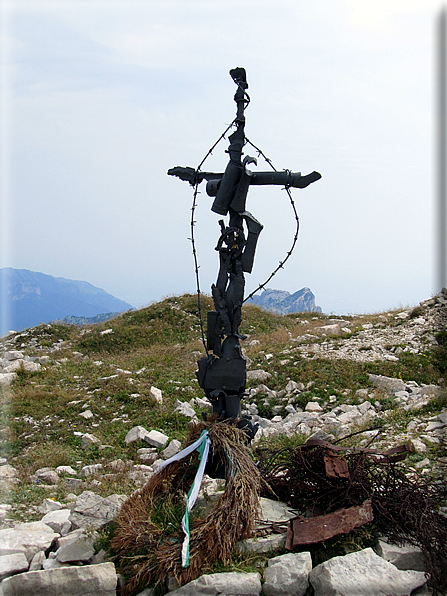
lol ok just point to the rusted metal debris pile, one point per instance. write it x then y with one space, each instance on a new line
337 489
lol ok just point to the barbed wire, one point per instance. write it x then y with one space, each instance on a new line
194 222
297 219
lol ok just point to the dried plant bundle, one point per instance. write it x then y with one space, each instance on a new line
405 507
147 546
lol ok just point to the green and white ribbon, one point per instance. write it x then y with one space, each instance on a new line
203 446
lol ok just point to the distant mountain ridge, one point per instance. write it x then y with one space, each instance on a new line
30 298
282 302
101 318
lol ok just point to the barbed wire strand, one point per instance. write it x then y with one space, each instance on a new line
193 223
193 240
297 219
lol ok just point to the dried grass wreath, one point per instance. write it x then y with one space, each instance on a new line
147 539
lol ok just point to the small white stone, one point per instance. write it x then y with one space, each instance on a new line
87 414
156 438
313 406
156 394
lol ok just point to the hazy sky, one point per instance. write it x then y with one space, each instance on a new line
99 99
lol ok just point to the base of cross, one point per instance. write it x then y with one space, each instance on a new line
215 467
152 540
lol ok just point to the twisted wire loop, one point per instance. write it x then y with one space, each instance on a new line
297 220
193 223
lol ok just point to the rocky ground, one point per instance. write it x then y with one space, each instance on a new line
76 406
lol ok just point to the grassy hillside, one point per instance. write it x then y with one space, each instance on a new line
110 368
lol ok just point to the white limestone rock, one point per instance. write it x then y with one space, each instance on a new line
13 355
265 544
287 575
137 433
89 470
88 440
387 384
87 414
172 449
89 580
79 548
66 470
12 564
8 475
274 511
222 584
7 378
48 505
27 538
37 561
156 394
258 375
92 511
331 330
419 445
156 439
58 521
403 557
17 365
313 406
363 573
183 407
47 476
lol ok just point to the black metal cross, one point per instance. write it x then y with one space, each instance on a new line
222 375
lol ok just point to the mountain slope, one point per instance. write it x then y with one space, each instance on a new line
30 298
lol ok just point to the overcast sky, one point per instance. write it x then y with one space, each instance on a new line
100 99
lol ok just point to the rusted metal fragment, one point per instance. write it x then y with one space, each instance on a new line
335 465
392 455
316 529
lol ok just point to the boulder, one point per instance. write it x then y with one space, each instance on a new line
88 440
387 384
13 355
7 378
183 407
58 521
87 414
156 439
313 406
47 477
80 548
265 544
92 511
258 375
90 580
8 476
287 575
172 449
137 433
274 511
48 505
363 573
66 470
89 470
12 564
156 394
403 557
222 584
27 538
333 330
37 561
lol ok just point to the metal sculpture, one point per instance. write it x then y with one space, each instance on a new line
222 375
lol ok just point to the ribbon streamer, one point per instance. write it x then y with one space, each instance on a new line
203 446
